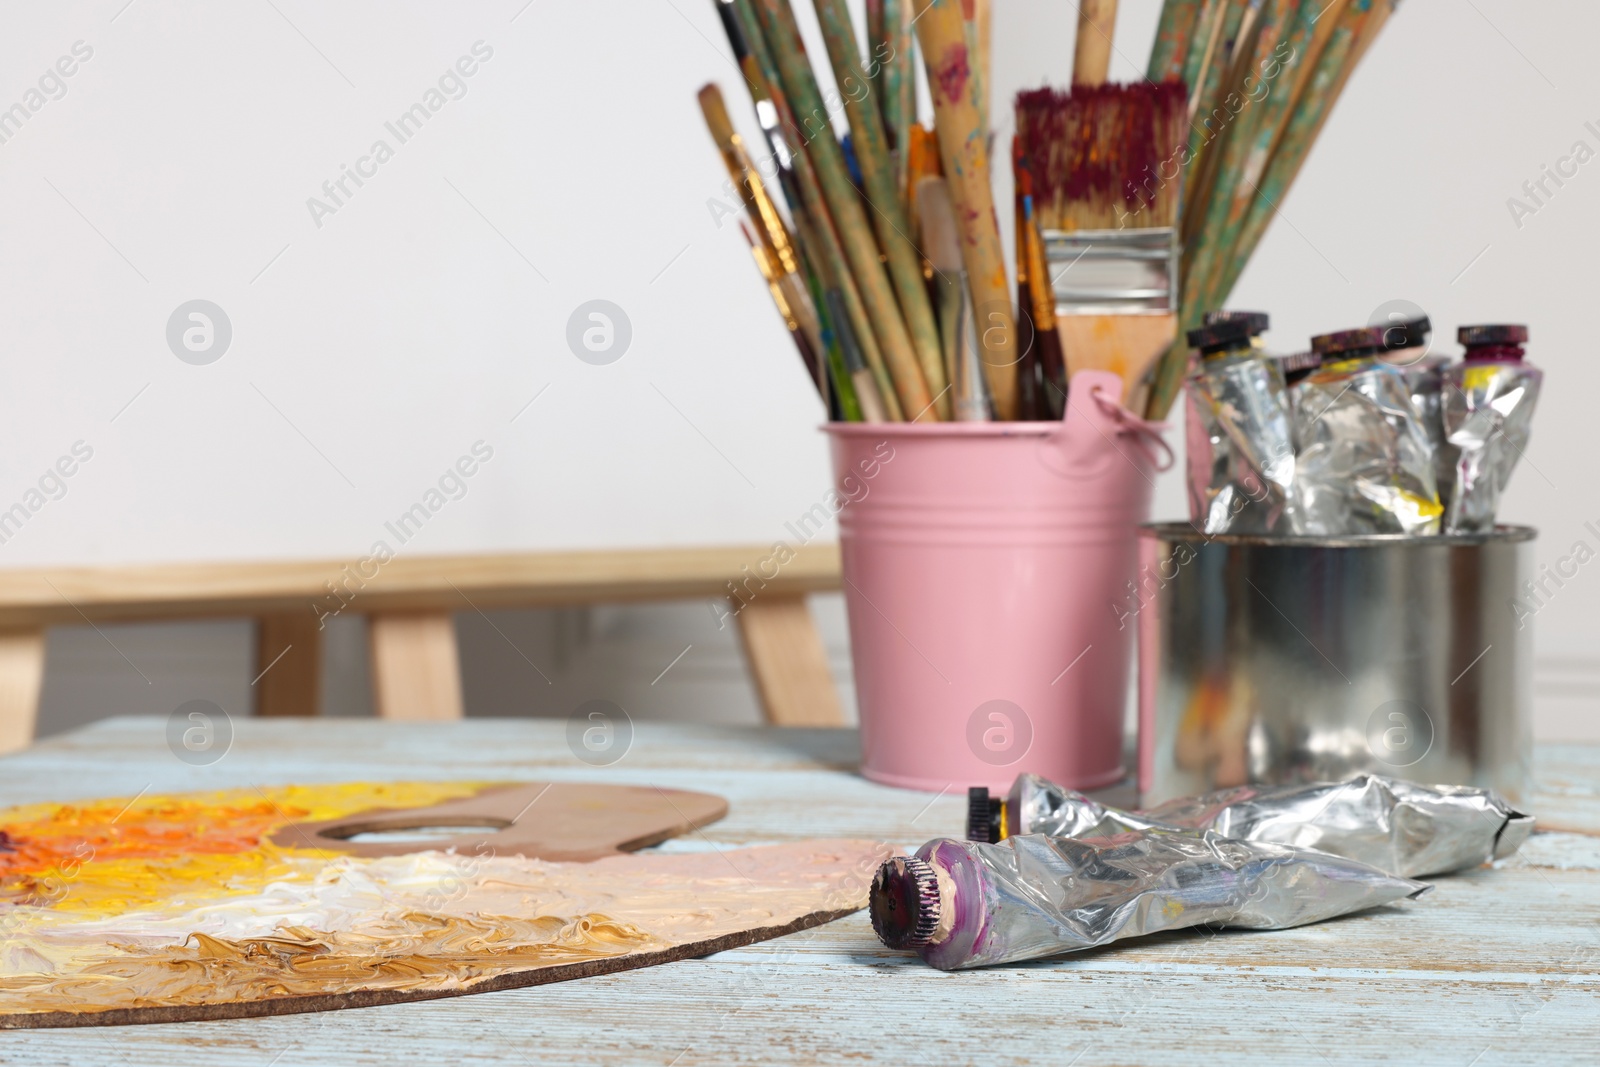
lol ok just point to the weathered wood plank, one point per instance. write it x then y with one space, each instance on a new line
416 670
33 598
288 667
788 662
1499 964
21 677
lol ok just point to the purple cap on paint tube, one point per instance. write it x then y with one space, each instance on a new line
1498 343
1408 334
1351 344
904 902
1227 329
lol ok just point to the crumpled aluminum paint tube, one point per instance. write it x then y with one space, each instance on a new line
963 904
1397 826
1486 415
1363 463
1240 431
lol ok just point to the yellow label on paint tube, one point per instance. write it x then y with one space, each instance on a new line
1474 378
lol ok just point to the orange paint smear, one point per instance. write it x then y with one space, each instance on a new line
116 853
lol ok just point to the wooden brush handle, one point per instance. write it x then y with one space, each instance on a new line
854 230
1091 56
942 34
886 196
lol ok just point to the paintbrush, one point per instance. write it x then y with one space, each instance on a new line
1091 49
1047 337
1214 223
824 249
882 192
780 297
979 17
1039 305
870 407
1173 33
941 240
1226 117
854 381
857 396
1104 162
922 152
776 243
1354 26
854 232
941 32
894 84
1041 372
1030 378
1307 49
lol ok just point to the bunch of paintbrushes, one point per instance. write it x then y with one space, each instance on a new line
847 262
1136 208
1150 198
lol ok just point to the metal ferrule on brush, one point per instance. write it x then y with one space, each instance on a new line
1113 272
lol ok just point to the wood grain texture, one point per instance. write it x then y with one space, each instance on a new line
288 666
33 598
21 675
1091 49
573 822
787 661
416 672
1125 345
1501 965
958 119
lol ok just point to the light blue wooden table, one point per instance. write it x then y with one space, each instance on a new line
1496 966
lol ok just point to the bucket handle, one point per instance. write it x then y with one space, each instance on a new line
1144 433
1104 389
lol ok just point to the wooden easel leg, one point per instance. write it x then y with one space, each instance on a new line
288 671
788 662
21 676
416 674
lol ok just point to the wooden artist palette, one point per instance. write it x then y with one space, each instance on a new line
571 822
267 901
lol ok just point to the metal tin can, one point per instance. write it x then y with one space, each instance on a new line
1270 660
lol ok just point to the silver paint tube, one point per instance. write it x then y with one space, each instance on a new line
1487 415
1396 826
963 904
1423 372
1364 465
1240 434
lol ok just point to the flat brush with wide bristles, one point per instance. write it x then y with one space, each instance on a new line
1107 179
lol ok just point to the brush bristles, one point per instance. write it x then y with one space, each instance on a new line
1105 157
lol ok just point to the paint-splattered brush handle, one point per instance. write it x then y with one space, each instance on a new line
883 194
1173 35
941 32
777 244
852 401
1249 150
816 139
1310 113
825 251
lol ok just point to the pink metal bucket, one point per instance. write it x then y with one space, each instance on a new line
983 566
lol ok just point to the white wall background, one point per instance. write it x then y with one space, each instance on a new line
431 308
